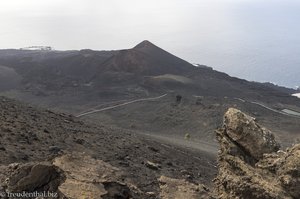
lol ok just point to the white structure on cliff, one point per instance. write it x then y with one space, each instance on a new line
46 48
297 95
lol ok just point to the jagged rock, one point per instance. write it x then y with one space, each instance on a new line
54 149
90 178
181 189
116 190
153 149
289 171
71 176
80 141
250 165
152 165
34 177
243 130
2 148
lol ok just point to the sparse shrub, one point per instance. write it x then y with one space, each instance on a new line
187 136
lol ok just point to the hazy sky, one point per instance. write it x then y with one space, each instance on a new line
253 39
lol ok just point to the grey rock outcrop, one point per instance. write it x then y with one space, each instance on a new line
249 135
250 165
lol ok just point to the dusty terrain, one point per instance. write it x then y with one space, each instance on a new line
79 81
96 162
31 135
143 120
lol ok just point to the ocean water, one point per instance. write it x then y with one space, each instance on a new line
255 40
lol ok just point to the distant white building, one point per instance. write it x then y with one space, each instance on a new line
46 48
297 95
203 66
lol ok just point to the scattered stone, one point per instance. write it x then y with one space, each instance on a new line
2 148
54 149
80 141
116 190
181 189
124 164
152 165
152 149
13 166
22 156
199 101
46 131
187 174
150 193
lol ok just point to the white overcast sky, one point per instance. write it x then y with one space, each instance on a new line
106 24
221 33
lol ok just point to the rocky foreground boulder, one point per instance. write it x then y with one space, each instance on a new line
251 166
78 175
70 176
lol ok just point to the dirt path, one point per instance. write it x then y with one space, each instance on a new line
120 105
269 108
274 110
210 148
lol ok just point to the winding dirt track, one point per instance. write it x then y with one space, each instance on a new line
270 109
155 98
119 105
